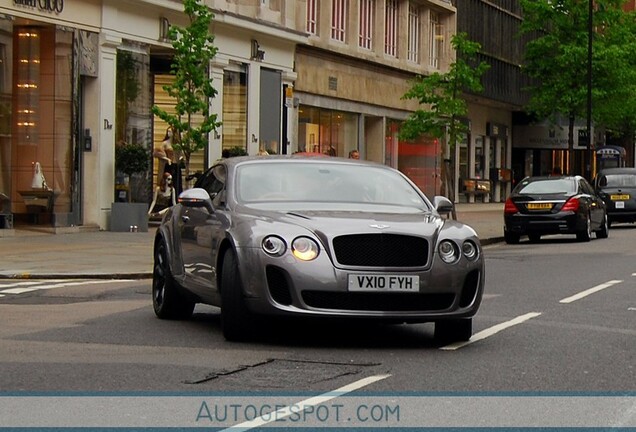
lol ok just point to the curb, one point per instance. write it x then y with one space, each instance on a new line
113 276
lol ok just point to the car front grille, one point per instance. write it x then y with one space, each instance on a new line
381 250
386 302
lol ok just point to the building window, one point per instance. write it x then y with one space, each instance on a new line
338 19
414 33
312 16
435 40
366 24
391 28
325 131
234 108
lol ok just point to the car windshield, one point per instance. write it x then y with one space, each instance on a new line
325 183
619 180
559 186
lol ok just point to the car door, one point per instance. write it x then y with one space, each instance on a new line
596 205
201 232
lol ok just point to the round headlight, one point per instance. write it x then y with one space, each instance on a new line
448 252
305 249
274 246
469 249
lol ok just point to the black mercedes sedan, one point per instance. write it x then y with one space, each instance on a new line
554 205
617 187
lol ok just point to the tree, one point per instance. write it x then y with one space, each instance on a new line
444 108
556 59
192 86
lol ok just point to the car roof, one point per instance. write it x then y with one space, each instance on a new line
607 171
552 177
232 162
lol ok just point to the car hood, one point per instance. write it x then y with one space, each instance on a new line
338 222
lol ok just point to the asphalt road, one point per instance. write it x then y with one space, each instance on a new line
558 317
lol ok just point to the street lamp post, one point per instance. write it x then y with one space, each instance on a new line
588 167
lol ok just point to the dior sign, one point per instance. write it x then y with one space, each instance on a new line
56 6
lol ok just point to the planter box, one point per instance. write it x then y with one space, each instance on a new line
126 215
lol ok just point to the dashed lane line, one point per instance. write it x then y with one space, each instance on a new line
313 401
589 291
35 287
491 331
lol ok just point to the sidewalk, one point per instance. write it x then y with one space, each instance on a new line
122 255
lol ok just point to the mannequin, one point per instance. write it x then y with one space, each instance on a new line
165 154
164 197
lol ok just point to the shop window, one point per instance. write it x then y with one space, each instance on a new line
234 109
326 131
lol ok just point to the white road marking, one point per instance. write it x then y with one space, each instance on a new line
316 400
30 283
59 285
491 331
590 291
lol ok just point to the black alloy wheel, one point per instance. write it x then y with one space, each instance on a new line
585 235
167 301
603 232
236 319
453 330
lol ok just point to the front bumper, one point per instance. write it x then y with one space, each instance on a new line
288 287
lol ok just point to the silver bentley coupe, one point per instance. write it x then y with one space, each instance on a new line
326 237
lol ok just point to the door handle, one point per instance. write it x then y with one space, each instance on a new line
185 219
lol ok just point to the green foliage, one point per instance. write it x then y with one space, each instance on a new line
237 151
131 158
556 59
192 86
441 95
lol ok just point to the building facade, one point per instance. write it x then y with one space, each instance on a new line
79 77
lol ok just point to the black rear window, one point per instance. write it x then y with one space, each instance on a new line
618 180
561 186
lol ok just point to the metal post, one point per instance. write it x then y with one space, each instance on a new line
588 166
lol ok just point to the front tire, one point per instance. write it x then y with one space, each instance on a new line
454 330
534 238
167 301
236 319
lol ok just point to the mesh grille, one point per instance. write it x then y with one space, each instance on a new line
278 286
381 250
377 301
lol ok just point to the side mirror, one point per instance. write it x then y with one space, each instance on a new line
442 205
196 197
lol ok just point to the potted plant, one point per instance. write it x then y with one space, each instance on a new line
127 215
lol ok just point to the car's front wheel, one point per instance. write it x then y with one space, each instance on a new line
236 319
167 301
454 330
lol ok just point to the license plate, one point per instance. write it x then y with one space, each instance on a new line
539 206
623 197
384 283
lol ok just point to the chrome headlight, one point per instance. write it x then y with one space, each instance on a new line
448 251
470 251
274 246
305 249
